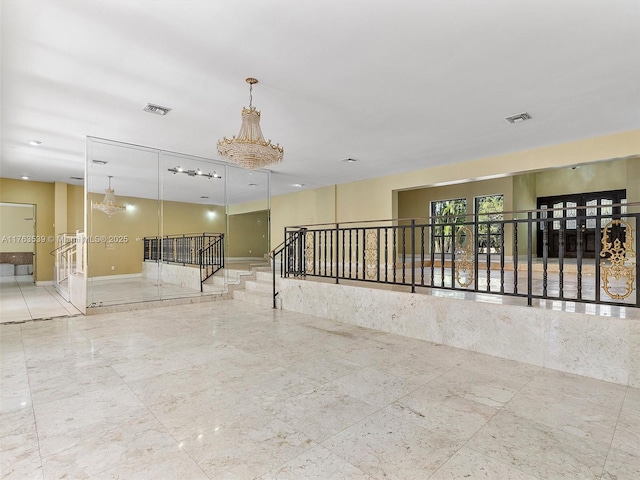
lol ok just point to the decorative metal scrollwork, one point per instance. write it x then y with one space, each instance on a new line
622 258
465 256
371 254
309 252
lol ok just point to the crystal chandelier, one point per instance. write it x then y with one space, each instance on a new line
108 204
249 149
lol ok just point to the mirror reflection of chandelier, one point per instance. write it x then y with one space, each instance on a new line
109 204
249 149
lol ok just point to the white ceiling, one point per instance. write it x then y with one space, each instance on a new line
398 85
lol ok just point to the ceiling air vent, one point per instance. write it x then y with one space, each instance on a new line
157 109
519 118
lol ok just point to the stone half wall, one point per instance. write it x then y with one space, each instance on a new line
596 346
185 276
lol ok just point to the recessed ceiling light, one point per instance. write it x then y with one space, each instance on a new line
157 109
24 177
100 162
35 143
253 184
518 118
350 160
299 185
204 196
76 178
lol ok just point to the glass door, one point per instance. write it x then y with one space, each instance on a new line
574 223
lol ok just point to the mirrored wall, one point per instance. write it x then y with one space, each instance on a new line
163 225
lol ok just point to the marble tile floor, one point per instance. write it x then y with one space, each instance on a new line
22 300
104 292
131 290
230 390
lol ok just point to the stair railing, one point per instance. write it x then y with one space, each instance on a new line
205 250
211 258
69 258
291 254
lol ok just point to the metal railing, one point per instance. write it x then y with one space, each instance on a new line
69 259
290 252
205 250
585 254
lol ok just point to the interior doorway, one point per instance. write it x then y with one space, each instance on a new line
576 218
19 239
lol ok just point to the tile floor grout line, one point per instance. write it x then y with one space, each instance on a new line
615 429
57 297
25 298
33 411
178 442
498 410
544 426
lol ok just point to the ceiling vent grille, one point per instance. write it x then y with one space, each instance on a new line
519 118
157 109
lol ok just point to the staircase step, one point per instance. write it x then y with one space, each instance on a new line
227 276
262 276
257 298
213 288
264 287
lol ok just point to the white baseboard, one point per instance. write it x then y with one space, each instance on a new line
41 283
117 277
246 259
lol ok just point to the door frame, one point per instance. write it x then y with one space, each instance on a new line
580 199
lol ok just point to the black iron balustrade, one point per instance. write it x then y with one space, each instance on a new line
205 250
471 255
291 254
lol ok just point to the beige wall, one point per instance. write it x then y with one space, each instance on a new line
255 206
633 180
248 234
524 192
301 208
42 196
180 217
75 208
374 199
524 198
17 228
60 209
124 255
595 177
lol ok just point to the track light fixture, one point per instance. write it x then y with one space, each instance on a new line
193 173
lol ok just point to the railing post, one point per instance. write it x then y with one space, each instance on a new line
222 262
529 259
637 224
413 255
337 255
201 263
515 255
273 270
598 245
476 255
